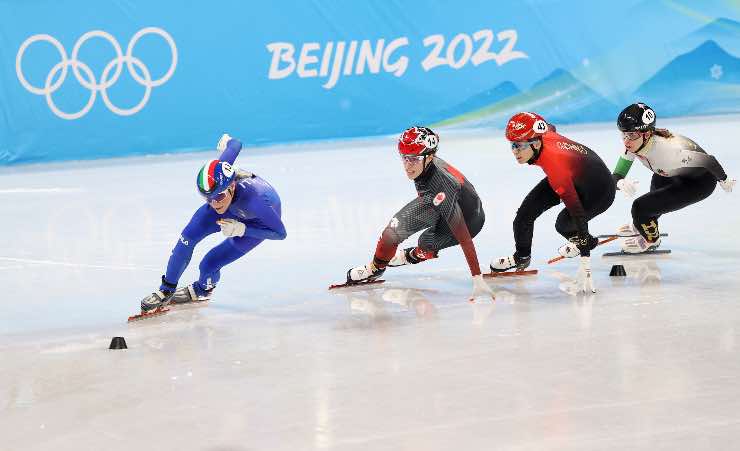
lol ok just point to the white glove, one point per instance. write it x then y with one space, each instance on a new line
584 281
481 289
727 184
232 227
225 138
628 187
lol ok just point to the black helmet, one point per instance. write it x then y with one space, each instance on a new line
637 117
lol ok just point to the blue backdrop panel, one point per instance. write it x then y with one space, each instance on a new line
138 77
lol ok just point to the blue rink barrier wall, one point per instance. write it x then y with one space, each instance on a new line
136 77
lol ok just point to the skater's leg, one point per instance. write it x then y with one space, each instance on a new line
410 219
540 199
668 194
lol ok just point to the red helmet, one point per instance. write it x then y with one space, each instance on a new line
418 141
525 126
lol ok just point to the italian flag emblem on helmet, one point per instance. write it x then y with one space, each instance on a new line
214 177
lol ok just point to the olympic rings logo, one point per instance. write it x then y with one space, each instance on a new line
88 81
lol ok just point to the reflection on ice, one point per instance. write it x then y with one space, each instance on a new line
276 361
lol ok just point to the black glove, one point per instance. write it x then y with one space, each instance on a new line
584 242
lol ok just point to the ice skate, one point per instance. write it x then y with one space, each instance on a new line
159 299
627 230
153 305
569 250
639 245
154 301
624 232
191 294
364 274
515 262
361 275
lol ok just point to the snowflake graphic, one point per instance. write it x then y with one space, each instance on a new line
715 71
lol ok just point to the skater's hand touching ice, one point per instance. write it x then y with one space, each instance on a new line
583 282
584 279
481 289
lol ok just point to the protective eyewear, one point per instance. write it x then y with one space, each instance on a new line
216 198
631 136
412 158
518 146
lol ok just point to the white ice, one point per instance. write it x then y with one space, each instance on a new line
277 362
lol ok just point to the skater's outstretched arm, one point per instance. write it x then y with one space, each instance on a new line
702 160
455 220
229 148
449 208
623 166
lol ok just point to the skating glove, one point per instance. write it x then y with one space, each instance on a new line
232 227
223 142
627 187
583 282
580 244
727 184
481 289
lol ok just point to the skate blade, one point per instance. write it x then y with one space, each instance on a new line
529 272
355 284
159 311
638 254
604 241
609 235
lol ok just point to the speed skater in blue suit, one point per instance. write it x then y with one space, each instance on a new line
241 205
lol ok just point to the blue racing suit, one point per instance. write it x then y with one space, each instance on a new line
255 203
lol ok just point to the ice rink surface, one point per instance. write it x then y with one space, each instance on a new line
277 362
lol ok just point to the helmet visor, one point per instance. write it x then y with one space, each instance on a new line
412 158
217 197
518 146
631 136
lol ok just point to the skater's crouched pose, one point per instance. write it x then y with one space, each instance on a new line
683 174
447 208
575 175
241 205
